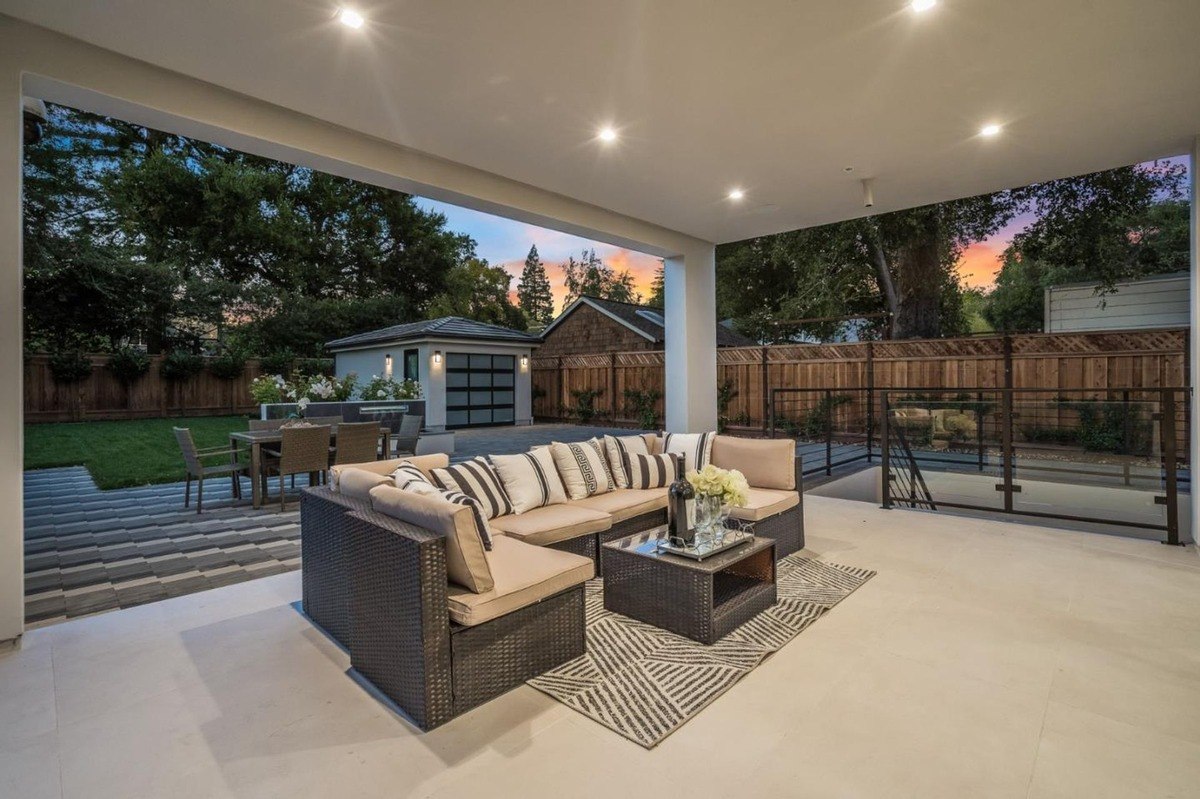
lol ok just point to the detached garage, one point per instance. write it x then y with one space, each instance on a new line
472 374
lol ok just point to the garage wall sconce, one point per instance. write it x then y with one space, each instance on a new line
437 357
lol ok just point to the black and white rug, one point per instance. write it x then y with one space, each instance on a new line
645 683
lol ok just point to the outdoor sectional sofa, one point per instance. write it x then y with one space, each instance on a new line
381 585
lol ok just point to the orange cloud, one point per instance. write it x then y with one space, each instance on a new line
979 263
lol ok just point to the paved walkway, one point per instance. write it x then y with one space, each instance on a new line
88 551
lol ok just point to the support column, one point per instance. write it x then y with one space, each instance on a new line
12 561
1194 348
691 346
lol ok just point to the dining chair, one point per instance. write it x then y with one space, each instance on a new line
193 460
357 442
302 450
408 436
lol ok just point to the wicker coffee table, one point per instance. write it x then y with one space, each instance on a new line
702 600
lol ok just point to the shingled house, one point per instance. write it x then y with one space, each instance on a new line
591 325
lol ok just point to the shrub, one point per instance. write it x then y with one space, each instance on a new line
278 362
585 404
385 388
817 420
267 389
229 365
128 365
180 365
643 406
70 366
320 388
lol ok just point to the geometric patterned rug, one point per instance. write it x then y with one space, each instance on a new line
644 682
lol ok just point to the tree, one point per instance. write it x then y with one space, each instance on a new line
533 292
591 277
658 289
169 241
478 291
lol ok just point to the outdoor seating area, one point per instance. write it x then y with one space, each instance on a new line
442 609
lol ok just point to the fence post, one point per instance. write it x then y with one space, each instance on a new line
870 396
1167 423
828 432
766 409
885 448
556 410
612 383
1006 438
979 421
771 413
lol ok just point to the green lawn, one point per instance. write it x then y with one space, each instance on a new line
121 454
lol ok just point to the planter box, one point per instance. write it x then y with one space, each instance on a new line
385 411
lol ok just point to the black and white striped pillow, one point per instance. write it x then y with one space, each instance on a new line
427 488
620 450
406 473
696 448
478 480
652 471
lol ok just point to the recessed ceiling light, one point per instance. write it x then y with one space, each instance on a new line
350 18
736 194
607 134
922 5
989 130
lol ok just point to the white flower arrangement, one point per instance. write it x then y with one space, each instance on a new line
728 484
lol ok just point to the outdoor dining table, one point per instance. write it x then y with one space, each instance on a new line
257 438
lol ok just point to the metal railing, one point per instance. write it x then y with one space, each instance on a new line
1036 452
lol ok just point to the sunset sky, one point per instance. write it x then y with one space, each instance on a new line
504 242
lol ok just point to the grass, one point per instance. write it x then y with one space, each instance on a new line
123 454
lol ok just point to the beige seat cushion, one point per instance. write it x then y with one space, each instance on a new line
625 503
766 463
765 502
523 574
357 483
466 560
550 524
426 463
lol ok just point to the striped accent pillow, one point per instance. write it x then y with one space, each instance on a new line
427 488
406 473
652 471
530 479
583 469
619 451
598 445
478 480
696 448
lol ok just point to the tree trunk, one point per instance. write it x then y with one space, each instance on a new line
883 273
919 281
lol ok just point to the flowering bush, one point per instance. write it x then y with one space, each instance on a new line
385 388
314 388
728 484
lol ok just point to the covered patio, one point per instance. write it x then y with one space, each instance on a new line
984 658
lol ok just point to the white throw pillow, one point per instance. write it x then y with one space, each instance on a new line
619 451
582 468
696 448
530 480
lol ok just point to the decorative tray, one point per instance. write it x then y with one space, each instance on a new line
707 548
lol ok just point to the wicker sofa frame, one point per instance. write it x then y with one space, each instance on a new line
786 528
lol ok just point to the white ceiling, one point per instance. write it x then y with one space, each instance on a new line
773 96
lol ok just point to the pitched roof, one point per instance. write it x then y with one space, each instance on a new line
645 320
445 327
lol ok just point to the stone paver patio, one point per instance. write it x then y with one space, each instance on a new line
89 551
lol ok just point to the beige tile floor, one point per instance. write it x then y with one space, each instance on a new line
986 659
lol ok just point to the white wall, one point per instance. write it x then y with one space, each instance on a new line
1161 301
1194 357
368 362
12 549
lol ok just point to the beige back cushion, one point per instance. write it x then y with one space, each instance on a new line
466 562
426 463
357 483
653 443
766 463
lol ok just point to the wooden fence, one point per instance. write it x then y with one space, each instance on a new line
101 396
1095 361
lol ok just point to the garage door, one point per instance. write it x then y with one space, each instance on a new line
479 389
